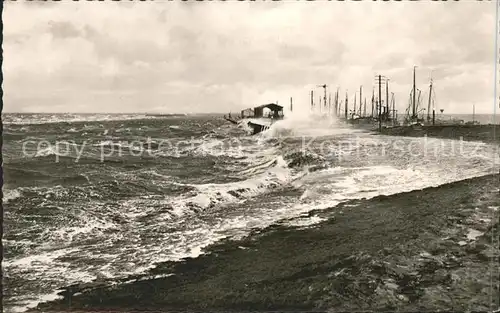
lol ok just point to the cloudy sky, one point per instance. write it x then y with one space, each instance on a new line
164 57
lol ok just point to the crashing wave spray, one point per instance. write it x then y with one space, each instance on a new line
304 122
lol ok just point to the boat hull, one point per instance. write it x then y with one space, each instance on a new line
258 125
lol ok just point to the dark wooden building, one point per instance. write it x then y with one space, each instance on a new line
276 111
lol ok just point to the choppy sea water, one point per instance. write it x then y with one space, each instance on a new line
101 197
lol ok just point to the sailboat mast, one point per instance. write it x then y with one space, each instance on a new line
360 98
324 98
312 100
330 103
373 99
346 104
393 107
414 113
418 100
387 97
354 111
337 106
408 109
429 103
379 103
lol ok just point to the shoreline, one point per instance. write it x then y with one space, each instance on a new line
409 251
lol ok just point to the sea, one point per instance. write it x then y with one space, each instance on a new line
100 197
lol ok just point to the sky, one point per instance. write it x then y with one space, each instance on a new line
195 57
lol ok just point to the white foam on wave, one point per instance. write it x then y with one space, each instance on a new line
106 143
40 259
216 147
130 146
250 150
11 194
264 165
67 234
309 125
211 194
52 150
307 221
45 263
472 234
328 188
58 149
182 243
24 305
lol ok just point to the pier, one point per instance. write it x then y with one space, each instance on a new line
380 113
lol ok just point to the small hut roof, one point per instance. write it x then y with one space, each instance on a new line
271 106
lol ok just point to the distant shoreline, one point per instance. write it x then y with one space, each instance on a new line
168 115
